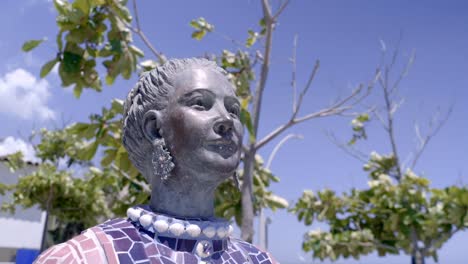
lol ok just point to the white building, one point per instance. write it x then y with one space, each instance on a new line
22 230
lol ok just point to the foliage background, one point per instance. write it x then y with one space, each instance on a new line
344 36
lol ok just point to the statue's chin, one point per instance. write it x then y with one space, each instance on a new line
224 162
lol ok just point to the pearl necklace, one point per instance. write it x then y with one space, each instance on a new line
170 226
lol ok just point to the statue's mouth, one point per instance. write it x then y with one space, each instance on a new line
226 148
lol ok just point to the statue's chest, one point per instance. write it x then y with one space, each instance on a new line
131 245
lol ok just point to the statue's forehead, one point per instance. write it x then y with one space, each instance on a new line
202 78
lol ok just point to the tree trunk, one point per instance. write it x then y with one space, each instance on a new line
418 258
247 231
46 224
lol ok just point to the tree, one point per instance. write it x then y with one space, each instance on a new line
399 212
93 31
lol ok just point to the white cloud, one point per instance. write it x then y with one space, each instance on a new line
12 145
22 95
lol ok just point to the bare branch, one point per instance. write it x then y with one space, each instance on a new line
350 150
144 186
337 108
396 51
228 38
396 105
273 134
143 37
281 9
365 244
306 88
247 185
267 12
441 238
244 148
380 118
434 129
390 130
293 77
135 11
278 146
265 65
404 72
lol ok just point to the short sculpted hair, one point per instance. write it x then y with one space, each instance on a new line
152 91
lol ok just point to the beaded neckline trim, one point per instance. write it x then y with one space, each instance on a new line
167 226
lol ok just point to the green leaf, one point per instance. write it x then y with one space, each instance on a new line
202 27
83 5
275 201
59 40
247 121
72 62
62 6
46 68
87 153
363 118
77 90
110 79
148 65
117 105
198 35
194 24
251 39
109 157
137 51
31 44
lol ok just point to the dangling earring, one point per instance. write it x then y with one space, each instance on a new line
161 159
236 180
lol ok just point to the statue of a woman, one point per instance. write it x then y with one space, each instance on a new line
182 131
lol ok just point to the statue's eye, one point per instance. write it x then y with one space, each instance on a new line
198 103
235 110
200 99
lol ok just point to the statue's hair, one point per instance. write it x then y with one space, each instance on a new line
152 91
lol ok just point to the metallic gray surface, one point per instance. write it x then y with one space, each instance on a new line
192 105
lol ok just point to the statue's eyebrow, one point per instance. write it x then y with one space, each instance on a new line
232 99
188 95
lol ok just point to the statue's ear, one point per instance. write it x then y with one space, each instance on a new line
151 125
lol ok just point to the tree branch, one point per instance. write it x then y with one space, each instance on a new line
335 109
380 118
144 186
143 37
353 152
265 66
390 131
249 158
306 88
432 132
293 75
364 244
281 9
279 145
441 239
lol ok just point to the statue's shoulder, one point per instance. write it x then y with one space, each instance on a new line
91 246
84 248
256 254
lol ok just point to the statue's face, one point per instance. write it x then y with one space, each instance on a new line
201 125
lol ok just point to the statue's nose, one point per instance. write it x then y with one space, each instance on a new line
223 126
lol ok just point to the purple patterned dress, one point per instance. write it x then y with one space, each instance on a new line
146 237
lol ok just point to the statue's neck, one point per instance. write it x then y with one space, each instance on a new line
183 196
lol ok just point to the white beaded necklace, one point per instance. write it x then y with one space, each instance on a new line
179 228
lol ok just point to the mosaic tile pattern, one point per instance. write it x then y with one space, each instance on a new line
84 248
120 241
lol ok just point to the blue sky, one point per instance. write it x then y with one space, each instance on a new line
344 35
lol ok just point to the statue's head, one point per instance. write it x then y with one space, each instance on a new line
190 105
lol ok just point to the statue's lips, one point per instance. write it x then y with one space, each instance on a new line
225 148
